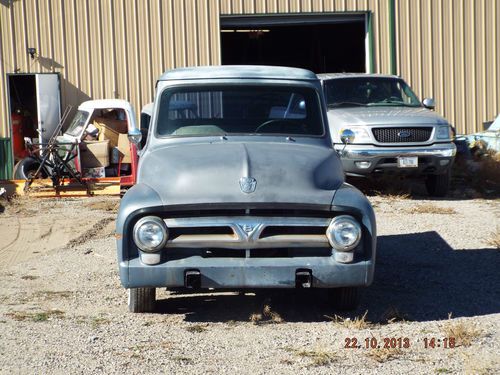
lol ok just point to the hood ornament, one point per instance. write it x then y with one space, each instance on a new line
248 184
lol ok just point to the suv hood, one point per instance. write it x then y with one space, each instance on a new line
386 115
206 173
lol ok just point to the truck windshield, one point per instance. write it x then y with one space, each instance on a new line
242 110
77 124
369 91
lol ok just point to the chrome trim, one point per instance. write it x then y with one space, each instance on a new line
367 152
247 232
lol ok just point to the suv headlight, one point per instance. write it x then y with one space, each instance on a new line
150 233
360 134
344 233
444 132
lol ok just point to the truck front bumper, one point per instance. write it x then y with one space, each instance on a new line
238 273
361 160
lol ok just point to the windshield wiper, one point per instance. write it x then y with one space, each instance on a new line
395 102
346 104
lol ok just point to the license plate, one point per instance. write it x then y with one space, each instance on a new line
408 162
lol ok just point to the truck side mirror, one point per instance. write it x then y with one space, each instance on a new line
135 136
429 103
347 136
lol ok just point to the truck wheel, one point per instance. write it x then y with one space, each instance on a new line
26 168
438 184
345 298
141 299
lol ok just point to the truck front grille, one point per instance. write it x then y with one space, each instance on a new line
247 232
402 135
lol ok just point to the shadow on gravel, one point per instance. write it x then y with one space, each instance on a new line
418 277
422 277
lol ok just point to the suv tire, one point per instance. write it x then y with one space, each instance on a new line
438 184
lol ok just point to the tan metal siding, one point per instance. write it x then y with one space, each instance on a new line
105 48
448 49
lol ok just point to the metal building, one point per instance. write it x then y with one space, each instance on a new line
446 49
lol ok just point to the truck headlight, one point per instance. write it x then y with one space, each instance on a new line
444 132
344 233
150 233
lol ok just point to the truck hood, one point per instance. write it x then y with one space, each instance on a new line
210 173
341 117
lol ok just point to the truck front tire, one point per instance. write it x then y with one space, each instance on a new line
345 298
141 300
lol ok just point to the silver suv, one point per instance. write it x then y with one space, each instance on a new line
378 125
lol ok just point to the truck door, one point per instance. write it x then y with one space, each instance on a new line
48 104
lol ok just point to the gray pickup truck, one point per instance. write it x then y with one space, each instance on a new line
388 129
242 189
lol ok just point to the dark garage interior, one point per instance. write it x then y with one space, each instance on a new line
322 48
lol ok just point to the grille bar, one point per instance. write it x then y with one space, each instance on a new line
402 134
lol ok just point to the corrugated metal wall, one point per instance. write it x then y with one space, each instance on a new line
448 49
105 48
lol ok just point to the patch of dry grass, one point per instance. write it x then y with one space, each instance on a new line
384 354
392 315
429 208
29 277
105 205
35 316
317 357
266 316
483 174
197 328
494 239
50 295
359 322
463 332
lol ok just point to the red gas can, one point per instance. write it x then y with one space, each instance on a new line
18 136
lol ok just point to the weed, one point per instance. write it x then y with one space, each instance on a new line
494 239
392 315
53 295
442 370
98 321
267 315
107 205
318 357
356 323
432 209
196 328
183 359
35 317
384 354
29 277
463 332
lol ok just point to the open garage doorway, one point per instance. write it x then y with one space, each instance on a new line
321 43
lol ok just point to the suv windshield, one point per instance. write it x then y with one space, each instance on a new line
77 124
242 109
369 91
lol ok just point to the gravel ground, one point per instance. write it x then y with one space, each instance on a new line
62 309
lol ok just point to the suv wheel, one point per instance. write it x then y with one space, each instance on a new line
141 299
438 184
345 298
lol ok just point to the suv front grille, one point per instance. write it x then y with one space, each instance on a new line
402 135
